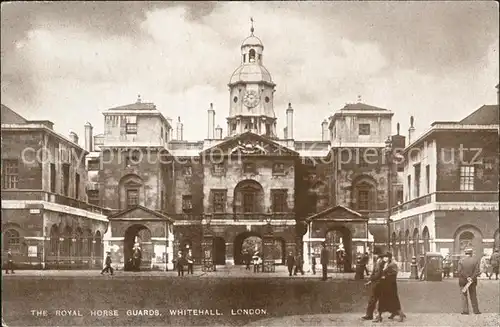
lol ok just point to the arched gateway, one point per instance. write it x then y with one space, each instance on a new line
144 231
345 233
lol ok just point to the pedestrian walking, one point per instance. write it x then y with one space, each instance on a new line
290 263
364 263
107 262
468 271
299 264
388 297
10 262
495 263
190 262
313 264
447 266
374 284
485 266
180 264
324 260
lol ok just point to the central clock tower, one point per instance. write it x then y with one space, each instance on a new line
251 93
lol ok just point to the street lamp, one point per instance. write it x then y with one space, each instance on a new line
388 154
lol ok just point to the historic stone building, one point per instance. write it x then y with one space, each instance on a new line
450 189
46 220
167 194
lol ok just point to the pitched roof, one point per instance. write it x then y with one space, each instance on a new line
136 106
147 210
485 115
9 116
246 135
360 106
356 215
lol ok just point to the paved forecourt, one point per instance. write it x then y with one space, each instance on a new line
413 319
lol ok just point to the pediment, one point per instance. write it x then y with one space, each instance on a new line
250 144
139 213
338 213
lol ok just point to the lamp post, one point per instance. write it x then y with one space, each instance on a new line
388 154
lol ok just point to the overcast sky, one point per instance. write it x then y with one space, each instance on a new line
68 62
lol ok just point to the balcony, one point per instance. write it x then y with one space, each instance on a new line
420 201
256 216
37 195
448 196
467 196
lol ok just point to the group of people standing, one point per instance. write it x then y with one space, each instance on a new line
295 264
184 260
490 264
384 290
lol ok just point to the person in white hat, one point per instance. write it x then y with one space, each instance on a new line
468 271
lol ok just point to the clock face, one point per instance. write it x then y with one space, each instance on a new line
251 99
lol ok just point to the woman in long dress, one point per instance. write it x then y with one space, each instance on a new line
389 298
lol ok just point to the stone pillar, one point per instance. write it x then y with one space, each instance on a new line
229 253
267 249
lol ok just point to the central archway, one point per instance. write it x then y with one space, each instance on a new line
137 235
339 244
247 241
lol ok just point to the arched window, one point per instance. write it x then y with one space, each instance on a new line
465 240
249 197
98 245
251 55
54 240
12 240
363 196
130 187
78 242
416 241
426 238
87 243
67 242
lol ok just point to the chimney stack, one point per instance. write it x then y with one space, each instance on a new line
89 139
179 128
73 137
285 133
397 128
211 122
324 130
289 122
218 132
411 131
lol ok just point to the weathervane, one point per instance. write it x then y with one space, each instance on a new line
251 29
359 98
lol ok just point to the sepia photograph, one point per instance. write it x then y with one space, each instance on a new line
250 163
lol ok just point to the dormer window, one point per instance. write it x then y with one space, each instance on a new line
251 55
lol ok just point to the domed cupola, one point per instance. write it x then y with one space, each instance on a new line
251 91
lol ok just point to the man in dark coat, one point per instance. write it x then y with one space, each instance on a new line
313 264
388 296
179 263
247 259
364 262
10 262
290 263
108 267
299 264
468 271
374 283
324 260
